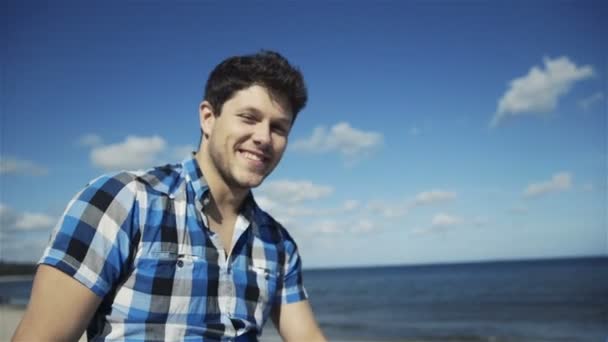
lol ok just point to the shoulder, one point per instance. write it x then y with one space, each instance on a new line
127 186
104 189
161 179
157 179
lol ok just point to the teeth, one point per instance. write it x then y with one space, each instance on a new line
251 156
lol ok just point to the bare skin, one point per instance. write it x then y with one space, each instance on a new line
223 225
296 323
60 308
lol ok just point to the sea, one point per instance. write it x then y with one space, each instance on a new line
507 301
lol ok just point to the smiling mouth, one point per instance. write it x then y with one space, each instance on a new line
258 159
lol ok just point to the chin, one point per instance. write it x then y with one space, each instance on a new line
253 183
250 181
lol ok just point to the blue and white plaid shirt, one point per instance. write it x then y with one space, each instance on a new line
139 241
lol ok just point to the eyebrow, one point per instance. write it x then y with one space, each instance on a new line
258 112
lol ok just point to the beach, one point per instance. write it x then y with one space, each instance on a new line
10 315
9 318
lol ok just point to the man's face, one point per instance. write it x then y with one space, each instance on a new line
247 141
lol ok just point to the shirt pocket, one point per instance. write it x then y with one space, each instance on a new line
262 283
168 273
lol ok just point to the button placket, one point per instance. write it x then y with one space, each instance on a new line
228 289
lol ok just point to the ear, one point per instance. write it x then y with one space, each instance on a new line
206 118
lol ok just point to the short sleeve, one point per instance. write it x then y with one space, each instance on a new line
92 241
292 289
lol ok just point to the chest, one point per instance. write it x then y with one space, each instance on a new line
224 234
180 269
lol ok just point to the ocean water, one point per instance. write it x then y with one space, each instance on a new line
547 300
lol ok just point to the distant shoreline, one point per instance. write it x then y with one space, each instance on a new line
9 269
9 278
458 263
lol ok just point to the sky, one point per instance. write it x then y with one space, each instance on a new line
435 131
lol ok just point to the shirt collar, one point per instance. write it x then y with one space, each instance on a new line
194 176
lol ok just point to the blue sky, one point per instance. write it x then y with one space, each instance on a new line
435 132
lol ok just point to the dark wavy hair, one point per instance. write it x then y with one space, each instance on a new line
265 68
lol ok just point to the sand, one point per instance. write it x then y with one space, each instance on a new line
10 316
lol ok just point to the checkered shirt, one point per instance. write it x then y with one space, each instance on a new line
139 241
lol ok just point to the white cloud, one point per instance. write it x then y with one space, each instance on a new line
30 221
433 196
539 90
289 191
350 205
296 216
326 226
559 182
400 209
298 211
11 220
284 200
183 151
364 226
8 217
335 226
90 139
389 210
445 220
591 100
265 202
23 235
441 222
9 165
341 138
17 249
133 153
421 230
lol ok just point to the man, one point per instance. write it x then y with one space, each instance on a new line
182 252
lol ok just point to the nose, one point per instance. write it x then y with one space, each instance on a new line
261 135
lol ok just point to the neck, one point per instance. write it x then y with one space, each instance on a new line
224 200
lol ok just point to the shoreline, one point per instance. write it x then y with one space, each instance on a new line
11 278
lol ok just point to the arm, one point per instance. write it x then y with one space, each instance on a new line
296 323
60 308
292 314
86 255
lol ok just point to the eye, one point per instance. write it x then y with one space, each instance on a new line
248 117
280 130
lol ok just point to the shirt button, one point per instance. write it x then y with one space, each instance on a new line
180 263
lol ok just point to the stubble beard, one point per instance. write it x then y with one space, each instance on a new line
228 171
